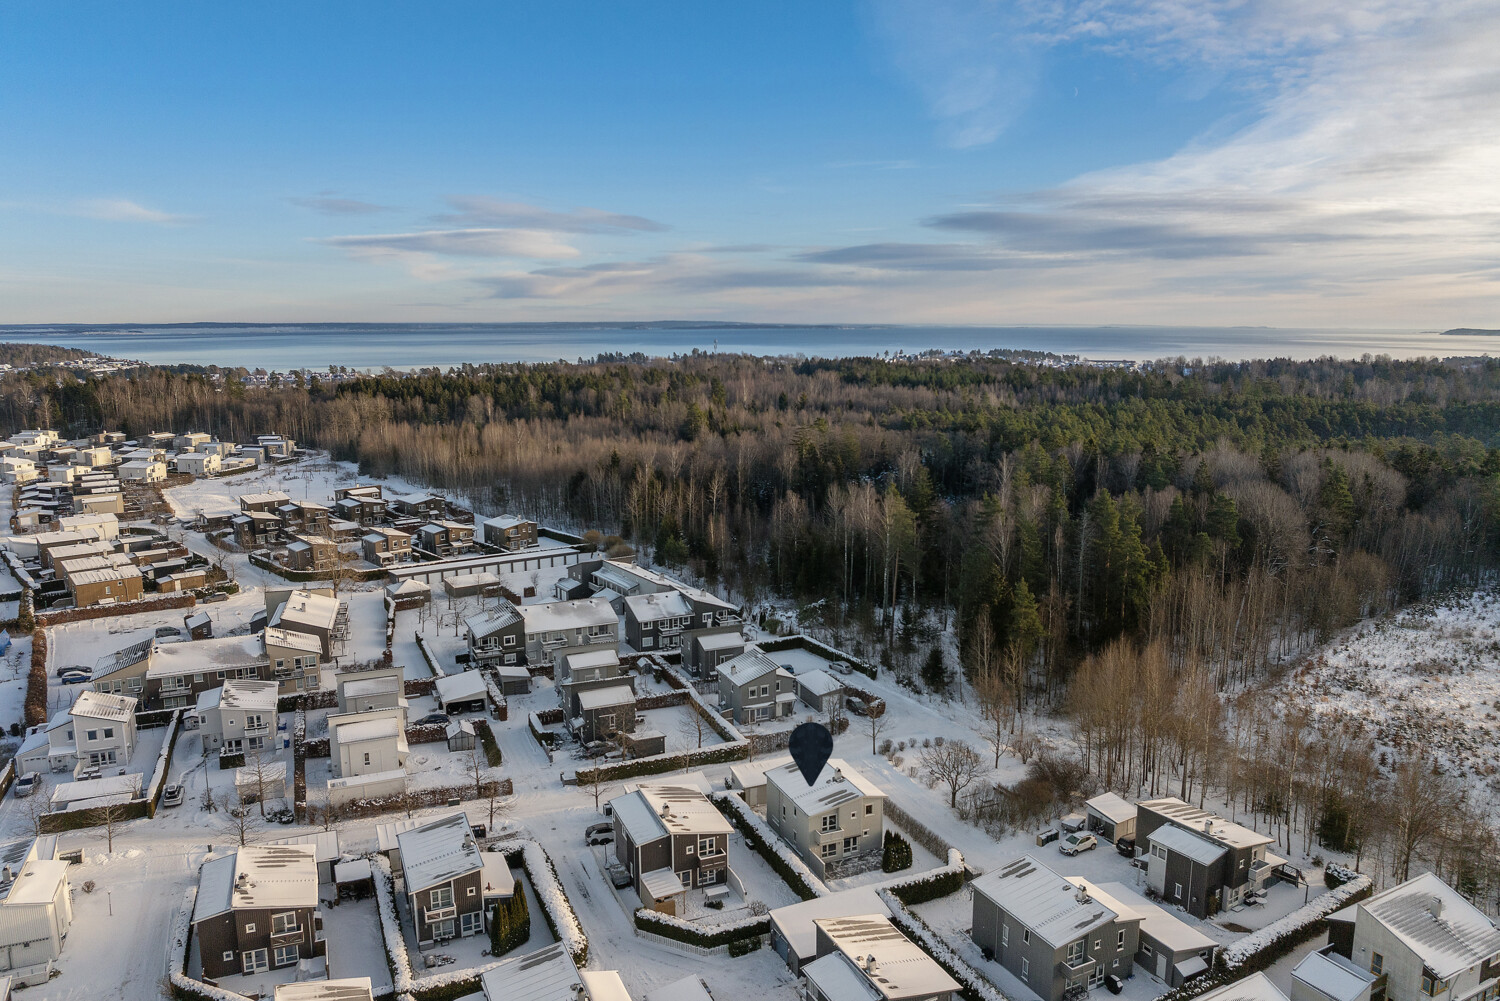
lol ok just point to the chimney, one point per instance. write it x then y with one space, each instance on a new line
838 775
6 875
1082 896
870 962
1436 906
1208 826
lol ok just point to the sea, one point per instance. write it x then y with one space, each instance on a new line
374 347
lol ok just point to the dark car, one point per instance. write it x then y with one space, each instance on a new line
432 719
76 678
857 706
1126 847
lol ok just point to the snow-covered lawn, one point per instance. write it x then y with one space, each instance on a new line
352 931
680 726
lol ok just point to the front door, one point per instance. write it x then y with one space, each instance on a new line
1161 966
255 961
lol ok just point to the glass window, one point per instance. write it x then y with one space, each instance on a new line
1005 934
1377 963
831 849
92 734
1025 968
442 897
1119 940
283 922
286 955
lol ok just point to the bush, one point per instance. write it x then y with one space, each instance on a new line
487 741
744 946
510 923
36 681
896 855
919 891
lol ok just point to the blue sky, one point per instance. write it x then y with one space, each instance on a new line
898 160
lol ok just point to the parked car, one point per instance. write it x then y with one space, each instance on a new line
76 678
432 719
841 667
857 705
1126 847
172 796
595 749
215 596
1078 841
166 632
26 783
596 829
607 837
74 669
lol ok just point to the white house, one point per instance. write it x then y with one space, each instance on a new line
557 624
14 469
239 716
839 816
199 463
143 471
367 743
97 732
36 915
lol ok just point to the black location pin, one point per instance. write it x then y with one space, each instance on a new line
811 744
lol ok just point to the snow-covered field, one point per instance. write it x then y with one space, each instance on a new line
1429 675
314 478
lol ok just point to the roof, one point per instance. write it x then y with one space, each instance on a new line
438 852
303 608
325 844
660 884
658 605
197 619
683 809
1444 930
609 695
37 882
795 921
102 705
1159 924
351 870
837 783
1333 976
247 693
749 774
1255 987
416 498
720 640
555 616
602 656
1193 846
293 640
215 654
604 985
460 687
747 667
1194 819
1111 807
114 788
689 988
544 975
342 989
1050 905
385 727
105 576
497 879
490 622
269 497
507 521
819 682
901 969
258 876
637 817
385 685
837 978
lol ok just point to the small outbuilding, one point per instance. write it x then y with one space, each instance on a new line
461 693
1111 817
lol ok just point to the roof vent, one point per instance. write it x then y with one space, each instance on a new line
870 962
1436 906
1208 826
838 775
1082 894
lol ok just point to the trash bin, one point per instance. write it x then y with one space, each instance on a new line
1046 837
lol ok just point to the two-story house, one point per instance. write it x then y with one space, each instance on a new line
1058 935
381 546
670 838
106 587
443 873
315 612
361 504
97 732
361 691
295 659
1199 860
418 505
312 552
303 517
703 650
509 532
1421 940
575 671
497 636
554 625
445 538
199 464
238 717
753 687
257 910
866 958
177 674
659 620
837 818
372 742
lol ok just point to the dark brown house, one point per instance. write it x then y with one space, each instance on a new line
257 910
444 875
670 838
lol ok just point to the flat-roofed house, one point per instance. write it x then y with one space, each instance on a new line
367 743
418 505
839 817
670 838
362 691
1110 816
257 910
315 612
312 552
106 587
35 915
443 872
866 958
238 717
199 464
703 650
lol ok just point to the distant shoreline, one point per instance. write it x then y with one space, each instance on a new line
1470 332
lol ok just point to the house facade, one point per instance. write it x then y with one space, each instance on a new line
257 910
836 819
238 717
509 532
1198 860
443 873
554 625
367 743
658 620
754 687
670 838
497 636
385 545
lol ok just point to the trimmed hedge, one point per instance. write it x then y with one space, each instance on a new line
649 921
921 890
36 681
231 761
773 858
896 853
655 765
487 741
744 946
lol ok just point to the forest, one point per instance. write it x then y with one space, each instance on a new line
1142 550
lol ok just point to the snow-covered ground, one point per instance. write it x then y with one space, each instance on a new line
1428 675
314 478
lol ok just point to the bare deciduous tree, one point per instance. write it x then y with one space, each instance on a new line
876 723
955 764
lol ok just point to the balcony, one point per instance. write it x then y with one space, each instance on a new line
290 936
440 914
258 730
1078 969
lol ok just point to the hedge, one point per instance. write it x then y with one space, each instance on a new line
744 946
655 924
36 681
937 884
510 923
73 820
487 741
658 763
231 760
773 858
56 618
895 853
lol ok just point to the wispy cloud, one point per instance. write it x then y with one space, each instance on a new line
476 210
327 203
125 210
461 243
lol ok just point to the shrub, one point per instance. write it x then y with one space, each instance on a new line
510 923
36 681
744 946
896 855
487 741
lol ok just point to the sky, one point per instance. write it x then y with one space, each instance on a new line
1328 163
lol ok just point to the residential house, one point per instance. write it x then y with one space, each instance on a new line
177 674
509 532
191 441
238 717
703 650
820 691
362 504
1198 860
839 817
418 505
575 671
1324 975
794 936
103 729
866 958
315 612
464 692
16 469
296 659
1058 935
497 636
35 915
548 974
94 456
753 687
1420 940
253 529
605 712
1169 949
276 446
106 587
266 503
385 545
105 527
325 846
303 517
143 471
670 838
1255 987
657 620
554 625
362 691
1111 817
367 743
200 464
445 538
313 552
443 874
257 910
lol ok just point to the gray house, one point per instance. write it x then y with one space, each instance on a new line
1199 860
577 671
1059 935
753 687
497 637
703 650
839 817
1171 950
670 838
659 620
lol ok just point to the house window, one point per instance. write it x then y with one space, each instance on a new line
442 897
1025 969
1432 986
285 955
1025 936
1075 952
367 757
1377 964
92 734
831 849
109 733
249 927
254 960
1119 940
471 891
1146 951
869 809
830 823
851 845
1005 935
229 955
1176 891
708 846
283 922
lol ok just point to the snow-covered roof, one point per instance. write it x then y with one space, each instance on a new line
269 497
836 784
547 974
750 774
460 687
1333 976
795 921
307 610
1206 822
720 641
661 883
837 979
438 852
378 534
384 684
1255 987
218 653
459 726
658 605
489 622
381 728
342 989
1111 807
637 817
556 616
37 883
689 988
105 576
609 695
1186 843
1179 936
604 985
416 498
208 699
819 682
601 656
351 870
325 844
1050 905
103 705
900 969
496 878
513 671
747 667
247 693
197 619
1446 932
407 587
506 521
258 876
683 809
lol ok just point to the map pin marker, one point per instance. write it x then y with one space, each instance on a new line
811 744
